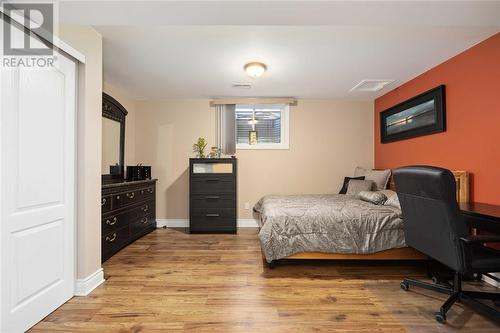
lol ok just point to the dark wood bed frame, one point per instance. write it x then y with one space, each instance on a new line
405 253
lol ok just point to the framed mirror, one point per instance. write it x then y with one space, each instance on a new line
113 139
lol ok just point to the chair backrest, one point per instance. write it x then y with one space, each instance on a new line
431 216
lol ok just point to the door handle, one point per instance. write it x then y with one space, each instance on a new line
112 238
111 222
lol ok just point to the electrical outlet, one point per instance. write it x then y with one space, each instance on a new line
247 205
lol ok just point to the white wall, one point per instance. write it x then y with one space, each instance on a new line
328 139
87 41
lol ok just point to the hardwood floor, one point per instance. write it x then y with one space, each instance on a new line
170 281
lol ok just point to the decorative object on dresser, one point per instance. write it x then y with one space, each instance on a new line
212 195
138 172
199 147
128 213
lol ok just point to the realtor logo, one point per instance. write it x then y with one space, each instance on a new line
39 17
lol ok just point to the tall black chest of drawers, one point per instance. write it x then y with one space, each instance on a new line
212 195
128 213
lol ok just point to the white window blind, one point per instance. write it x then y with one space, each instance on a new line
271 124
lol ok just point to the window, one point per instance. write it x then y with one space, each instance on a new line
266 125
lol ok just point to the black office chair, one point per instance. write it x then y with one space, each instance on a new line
434 226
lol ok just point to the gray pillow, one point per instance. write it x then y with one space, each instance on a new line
355 186
393 201
380 177
388 193
375 197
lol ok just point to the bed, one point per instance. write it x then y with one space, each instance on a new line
336 226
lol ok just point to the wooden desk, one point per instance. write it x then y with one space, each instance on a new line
484 217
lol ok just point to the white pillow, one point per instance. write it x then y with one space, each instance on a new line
380 177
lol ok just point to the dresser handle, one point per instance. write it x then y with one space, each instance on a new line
144 220
108 222
117 197
103 201
212 180
150 190
212 215
142 191
146 208
130 195
213 197
112 239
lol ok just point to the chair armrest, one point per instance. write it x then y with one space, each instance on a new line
469 240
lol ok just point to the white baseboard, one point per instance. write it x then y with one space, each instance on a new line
84 286
491 281
184 223
247 223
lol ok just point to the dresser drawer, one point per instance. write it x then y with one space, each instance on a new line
115 239
117 220
126 198
213 185
213 201
142 224
147 208
147 193
106 203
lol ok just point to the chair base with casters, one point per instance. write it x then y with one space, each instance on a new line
471 298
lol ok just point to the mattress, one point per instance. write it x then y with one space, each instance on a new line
334 223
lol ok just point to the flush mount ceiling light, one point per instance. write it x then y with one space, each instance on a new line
255 69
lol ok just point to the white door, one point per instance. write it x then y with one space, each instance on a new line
37 230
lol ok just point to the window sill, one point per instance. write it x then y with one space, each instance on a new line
280 146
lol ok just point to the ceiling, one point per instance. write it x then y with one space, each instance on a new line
186 49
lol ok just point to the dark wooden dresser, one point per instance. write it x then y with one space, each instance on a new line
212 195
128 213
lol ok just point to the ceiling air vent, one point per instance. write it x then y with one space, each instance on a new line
371 85
242 85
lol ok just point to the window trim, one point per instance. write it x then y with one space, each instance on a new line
285 135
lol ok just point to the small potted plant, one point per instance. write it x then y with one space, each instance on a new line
199 148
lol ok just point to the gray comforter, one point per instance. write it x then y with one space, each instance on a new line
335 223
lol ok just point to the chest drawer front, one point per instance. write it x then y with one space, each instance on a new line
211 214
213 185
213 201
213 220
212 224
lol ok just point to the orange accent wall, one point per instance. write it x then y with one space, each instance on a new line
472 138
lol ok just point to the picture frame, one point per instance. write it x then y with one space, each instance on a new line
421 115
